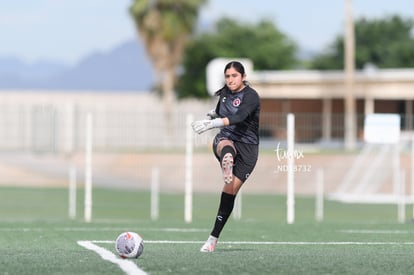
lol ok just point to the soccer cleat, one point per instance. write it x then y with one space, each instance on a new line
209 245
227 168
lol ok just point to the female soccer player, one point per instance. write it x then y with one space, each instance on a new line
236 145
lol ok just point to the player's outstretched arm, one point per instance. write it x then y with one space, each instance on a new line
200 126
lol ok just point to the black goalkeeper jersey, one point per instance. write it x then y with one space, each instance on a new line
243 111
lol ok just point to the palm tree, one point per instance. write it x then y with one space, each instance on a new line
164 27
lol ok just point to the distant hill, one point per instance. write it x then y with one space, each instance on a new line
126 67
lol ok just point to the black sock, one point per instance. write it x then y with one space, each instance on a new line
224 211
227 149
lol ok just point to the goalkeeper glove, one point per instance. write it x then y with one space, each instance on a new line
200 126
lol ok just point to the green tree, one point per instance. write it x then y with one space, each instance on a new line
165 27
263 43
386 43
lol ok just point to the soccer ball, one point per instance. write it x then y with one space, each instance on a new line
129 245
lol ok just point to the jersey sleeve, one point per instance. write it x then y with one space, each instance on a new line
250 103
218 106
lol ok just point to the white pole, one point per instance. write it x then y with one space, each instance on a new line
412 166
290 173
401 200
88 169
188 208
69 127
155 190
319 196
238 206
412 172
72 192
396 169
349 70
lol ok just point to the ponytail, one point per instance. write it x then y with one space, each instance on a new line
219 91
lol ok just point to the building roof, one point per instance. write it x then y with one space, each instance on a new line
371 82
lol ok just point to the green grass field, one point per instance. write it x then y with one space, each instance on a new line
37 237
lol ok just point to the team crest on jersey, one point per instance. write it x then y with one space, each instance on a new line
236 102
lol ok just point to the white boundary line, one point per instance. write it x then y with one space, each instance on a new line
363 231
270 243
131 268
127 266
120 229
288 243
183 230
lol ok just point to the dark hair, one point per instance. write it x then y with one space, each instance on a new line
236 65
239 68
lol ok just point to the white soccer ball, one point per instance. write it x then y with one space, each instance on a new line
129 245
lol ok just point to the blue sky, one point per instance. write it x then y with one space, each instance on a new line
68 30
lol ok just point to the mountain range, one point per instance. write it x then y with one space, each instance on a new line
124 68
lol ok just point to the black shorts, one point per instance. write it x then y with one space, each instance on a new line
245 160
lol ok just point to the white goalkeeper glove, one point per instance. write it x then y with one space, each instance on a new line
200 126
212 114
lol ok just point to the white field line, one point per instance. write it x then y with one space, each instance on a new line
96 229
127 266
269 243
178 230
131 268
364 231
184 230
